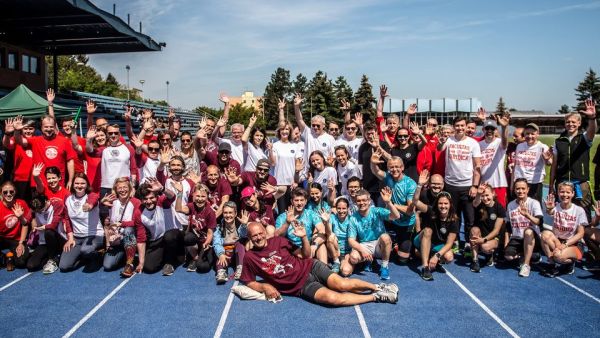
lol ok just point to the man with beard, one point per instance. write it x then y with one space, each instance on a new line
219 189
262 182
222 159
118 160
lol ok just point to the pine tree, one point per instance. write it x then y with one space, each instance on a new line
590 86
279 86
500 107
320 98
564 109
364 100
300 84
342 91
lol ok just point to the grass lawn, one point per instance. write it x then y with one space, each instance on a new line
549 140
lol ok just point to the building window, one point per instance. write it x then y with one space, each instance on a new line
33 65
12 61
2 62
25 63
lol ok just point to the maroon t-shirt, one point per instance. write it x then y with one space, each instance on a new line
213 158
278 266
216 193
265 217
202 219
249 180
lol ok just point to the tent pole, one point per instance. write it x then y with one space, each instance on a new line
55 72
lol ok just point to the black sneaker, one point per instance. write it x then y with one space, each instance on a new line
426 273
550 271
192 267
567 269
168 270
591 266
490 260
475 266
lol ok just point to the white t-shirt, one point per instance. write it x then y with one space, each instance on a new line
286 154
157 221
117 209
84 223
322 177
323 142
115 163
529 162
237 149
459 161
518 222
180 219
345 173
251 157
493 157
352 146
566 221
149 169
44 218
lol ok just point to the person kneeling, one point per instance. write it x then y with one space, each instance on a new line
283 272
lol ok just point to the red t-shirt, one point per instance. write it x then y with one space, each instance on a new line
277 265
93 170
23 162
390 136
202 219
59 195
55 152
10 225
265 217
212 158
216 193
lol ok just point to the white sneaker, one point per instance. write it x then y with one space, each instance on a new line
50 267
221 276
238 272
524 270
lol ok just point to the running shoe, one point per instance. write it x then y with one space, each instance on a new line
490 260
238 272
221 277
591 266
567 269
168 270
386 296
475 266
524 270
426 273
128 271
467 253
335 267
455 248
192 266
384 273
388 286
50 267
550 271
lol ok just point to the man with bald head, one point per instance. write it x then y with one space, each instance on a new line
273 260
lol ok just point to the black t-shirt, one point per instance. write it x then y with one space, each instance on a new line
370 182
485 217
440 228
409 158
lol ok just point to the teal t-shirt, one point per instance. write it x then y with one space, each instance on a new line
309 219
402 192
340 229
370 227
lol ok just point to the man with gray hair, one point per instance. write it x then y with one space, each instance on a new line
315 138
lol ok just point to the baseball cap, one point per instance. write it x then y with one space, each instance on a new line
532 126
224 146
263 163
490 124
247 192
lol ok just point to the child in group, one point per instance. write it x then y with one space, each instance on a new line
563 245
336 229
228 240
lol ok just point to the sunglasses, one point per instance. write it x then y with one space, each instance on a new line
8 192
262 169
316 126
350 128
153 149
186 141
402 136
148 130
112 133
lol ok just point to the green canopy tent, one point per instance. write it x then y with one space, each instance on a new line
22 101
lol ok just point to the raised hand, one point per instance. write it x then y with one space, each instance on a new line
376 156
127 113
244 218
310 178
503 120
252 120
37 169
155 185
481 113
137 142
91 133
90 106
412 109
50 95
194 177
358 119
414 128
330 184
9 126
344 105
523 210
325 215
383 91
298 99
424 177
281 104
171 114
202 122
289 215
548 154
386 194
549 201
222 122
18 122
146 114
177 186
596 208
299 164
299 230
165 156
590 109
17 209
268 188
224 98
481 188
232 175
330 160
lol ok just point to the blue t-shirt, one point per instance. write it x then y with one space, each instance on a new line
402 193
312 206
309 219
340 229
370 227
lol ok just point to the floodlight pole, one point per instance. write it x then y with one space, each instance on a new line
167 93
128 68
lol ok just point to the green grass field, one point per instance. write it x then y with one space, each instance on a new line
549 140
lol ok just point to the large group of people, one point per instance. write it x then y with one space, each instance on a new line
304 210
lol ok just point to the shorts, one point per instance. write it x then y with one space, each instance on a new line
373 248
435 247
515 246
404 236
578 246
317 278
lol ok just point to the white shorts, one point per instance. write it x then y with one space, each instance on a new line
373 248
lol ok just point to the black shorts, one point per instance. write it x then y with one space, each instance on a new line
515 246
317 278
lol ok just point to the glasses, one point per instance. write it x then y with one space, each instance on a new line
432 125
403 136
153 149
111 133
148 130
186 141
8 192
316 126
165 139
350 128
262 169
489 128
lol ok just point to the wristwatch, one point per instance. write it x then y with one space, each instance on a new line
437 254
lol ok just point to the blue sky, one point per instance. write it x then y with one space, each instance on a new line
532 53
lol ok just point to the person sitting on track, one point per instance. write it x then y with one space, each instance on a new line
336 228
47 225
489 224
367 236
284 272
15 217
563 245
524 217
229 240
439 230
592 240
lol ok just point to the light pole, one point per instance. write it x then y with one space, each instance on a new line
142 83
128 68
167 92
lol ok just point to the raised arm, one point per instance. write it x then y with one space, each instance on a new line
18 127
248 130
414 128
590 114
375 162
50 97
416 203
412 110
281 110
298 113
386 197
380 102
223 98
91 109
127 117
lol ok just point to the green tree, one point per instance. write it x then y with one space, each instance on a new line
342 91
320 98
300 84
500 106
564 109
279 87
241 114
364 99
590 86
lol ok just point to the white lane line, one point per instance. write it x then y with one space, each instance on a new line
225 313
15 281
578 289
361 320
483 306
97 307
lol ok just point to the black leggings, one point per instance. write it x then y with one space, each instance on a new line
155 251
42 253
206 258
462 203
173 247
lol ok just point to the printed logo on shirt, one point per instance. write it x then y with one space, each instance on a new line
11 221
77 204
408 155
324 180
324 144
29 153
272 265
51 152
114 152
293 151
493 217
345 175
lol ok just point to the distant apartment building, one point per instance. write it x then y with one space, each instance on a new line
247 100
21 66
